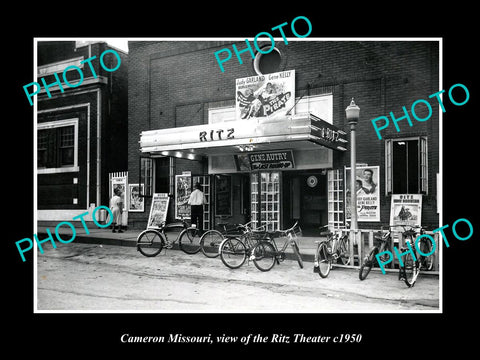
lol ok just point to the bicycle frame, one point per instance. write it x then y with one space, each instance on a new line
418 260
251 236
335 238
281 253
290 239
329 250
402 273
182 224
269 251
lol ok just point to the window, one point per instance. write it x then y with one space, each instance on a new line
57 146
146 175
162 175
67 145
406 166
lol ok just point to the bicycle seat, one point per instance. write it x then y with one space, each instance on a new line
410 232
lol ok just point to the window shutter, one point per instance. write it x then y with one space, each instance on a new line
423 163
388 167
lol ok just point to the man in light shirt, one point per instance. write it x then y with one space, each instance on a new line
196 201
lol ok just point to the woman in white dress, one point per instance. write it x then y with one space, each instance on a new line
116 205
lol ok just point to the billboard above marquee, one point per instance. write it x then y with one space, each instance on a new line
262 96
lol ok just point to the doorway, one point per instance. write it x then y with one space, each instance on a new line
305 200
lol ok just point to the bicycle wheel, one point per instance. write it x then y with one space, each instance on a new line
367 264
344 250
411 270
189 241
264 256
427 261
150 242
324 260
233 253
210 243
296 251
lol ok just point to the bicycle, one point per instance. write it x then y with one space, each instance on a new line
335 247
265 253
412 264
383 241
212 239
235 249
151 241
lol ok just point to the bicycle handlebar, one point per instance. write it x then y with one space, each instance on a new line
247 226
287 231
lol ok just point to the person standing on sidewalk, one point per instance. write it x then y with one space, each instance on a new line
116 205
196 202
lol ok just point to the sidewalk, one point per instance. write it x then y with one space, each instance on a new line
105 236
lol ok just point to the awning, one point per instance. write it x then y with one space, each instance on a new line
232 137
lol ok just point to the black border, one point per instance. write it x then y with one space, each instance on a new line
93 333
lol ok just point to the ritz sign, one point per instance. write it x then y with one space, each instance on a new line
219 134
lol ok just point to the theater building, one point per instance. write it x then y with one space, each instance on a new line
268 138
81 129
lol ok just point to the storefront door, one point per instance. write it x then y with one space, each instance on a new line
305 200
265 204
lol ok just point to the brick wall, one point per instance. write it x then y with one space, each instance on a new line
174 83
55 191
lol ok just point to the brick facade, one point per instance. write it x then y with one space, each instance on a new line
103 100
173 84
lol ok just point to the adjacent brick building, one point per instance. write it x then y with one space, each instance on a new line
82 131
178 85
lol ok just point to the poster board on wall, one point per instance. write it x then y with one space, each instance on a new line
135 201
158 210
183 189
368 193
264 96
406 209
120 183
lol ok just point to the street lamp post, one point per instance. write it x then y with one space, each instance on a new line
353 113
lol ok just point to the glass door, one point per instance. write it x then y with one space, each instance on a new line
335 199
265 187
204 180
